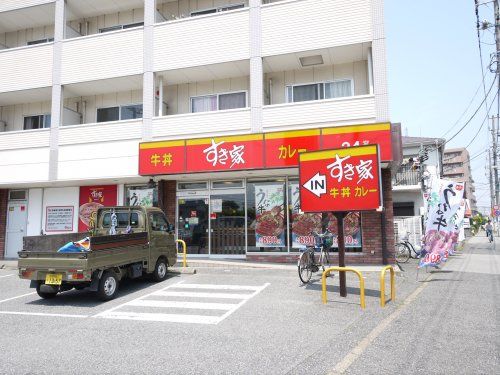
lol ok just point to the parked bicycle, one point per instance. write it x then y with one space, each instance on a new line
307 264
405 250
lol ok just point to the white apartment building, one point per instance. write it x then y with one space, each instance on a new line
84 82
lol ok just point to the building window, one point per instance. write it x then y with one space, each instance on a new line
218 102
125 112
217 10
121 27
37 122
40 41
318 91
192 185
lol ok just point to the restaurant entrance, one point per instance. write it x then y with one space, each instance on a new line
211 218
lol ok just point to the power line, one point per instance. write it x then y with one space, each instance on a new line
484 121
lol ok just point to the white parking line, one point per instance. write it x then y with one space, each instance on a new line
43 314
243 302
172 318
177 316
7 275
217 286
203 295
183 305
22 295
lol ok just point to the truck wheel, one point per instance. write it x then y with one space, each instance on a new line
108 286
45 295
160 272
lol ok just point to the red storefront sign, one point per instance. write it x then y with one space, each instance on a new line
255 151
162 157
283 148
225 153
359 135
346 179
91 198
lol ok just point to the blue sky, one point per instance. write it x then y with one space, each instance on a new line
434 70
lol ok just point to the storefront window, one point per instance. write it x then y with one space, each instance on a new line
141 196
266 216
303 225
192 185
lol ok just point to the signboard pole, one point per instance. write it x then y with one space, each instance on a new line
341 244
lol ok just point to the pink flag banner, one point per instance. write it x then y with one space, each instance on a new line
440 233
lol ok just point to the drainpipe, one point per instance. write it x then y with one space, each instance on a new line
385 255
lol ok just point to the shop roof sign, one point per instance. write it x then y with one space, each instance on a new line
341 180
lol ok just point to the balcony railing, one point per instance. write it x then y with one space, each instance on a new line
406 176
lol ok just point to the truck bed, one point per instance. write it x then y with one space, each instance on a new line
105 252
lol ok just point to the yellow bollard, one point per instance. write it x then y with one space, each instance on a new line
382 285
347 269
184 252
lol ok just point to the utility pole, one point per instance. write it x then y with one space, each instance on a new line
495 122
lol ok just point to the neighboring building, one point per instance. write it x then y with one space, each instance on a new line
407 183
456 167
84 83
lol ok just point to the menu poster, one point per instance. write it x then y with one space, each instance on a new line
141 197
352 229
91 198
270 218
59 218
303 224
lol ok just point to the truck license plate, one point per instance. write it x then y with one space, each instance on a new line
53 279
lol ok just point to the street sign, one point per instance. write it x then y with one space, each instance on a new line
340 180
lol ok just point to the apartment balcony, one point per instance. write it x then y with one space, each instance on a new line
320 113
301 25
202 40
26 68
194 125
406 179
102 56
24 156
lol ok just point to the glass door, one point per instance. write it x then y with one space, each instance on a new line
192 224
227 220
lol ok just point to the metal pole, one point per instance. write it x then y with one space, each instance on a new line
341 243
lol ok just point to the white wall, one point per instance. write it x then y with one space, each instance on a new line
35 212
67 196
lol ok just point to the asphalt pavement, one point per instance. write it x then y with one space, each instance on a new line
261 321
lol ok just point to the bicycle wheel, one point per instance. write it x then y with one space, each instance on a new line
304 266
402 253
413 252
324 259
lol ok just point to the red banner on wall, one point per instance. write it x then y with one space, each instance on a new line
225 153
283 148
255 151
91 198
346 179
359 135
162 157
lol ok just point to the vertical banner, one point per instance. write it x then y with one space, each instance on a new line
444 201
91 198
270 215
303 224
